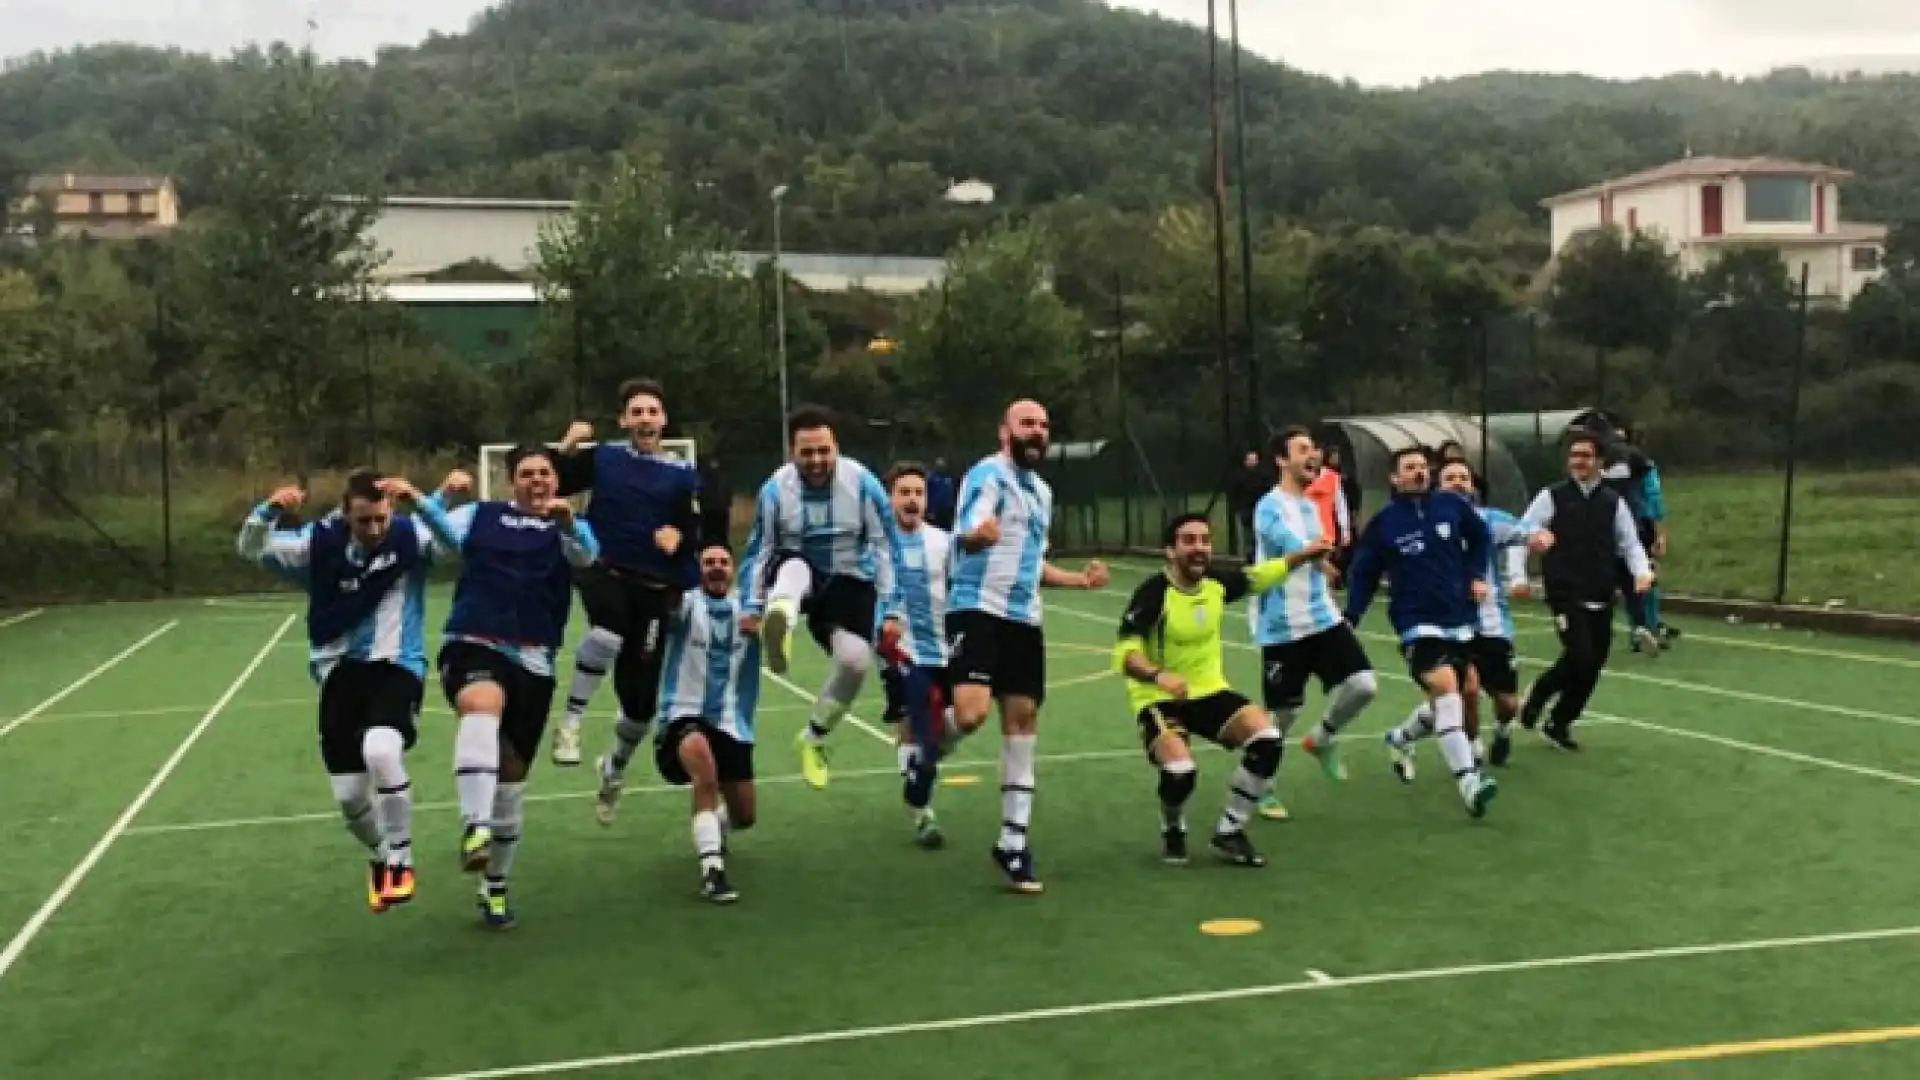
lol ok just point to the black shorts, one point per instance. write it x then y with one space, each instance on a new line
1008 657
1431 654
620 602
896 701
836 602
529 697
1493 658
359 695
732 759
1332 656
1206 717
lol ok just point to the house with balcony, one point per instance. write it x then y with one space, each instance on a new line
1702 206
104 207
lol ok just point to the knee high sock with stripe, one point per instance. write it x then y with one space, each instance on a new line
509 819
1016 791
1259 761
353 792
591 663
1177 781
1347 701
476 766
628 734
850 661
385 752
1449 719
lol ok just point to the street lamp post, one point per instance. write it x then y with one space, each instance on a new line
780 312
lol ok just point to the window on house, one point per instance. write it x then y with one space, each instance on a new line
133 203
1866 260
1779 200
96 204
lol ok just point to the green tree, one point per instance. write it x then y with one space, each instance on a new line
992 331
1365 313
1612 291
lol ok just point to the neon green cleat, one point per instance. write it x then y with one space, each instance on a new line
813 761
476 848
775 635
1328 756
1272 808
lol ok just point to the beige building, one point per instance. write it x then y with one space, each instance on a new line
1702 206
107 207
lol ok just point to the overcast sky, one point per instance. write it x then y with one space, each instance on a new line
1380 42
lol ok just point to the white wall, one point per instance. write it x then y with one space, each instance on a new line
1573 217
421 239
1666 210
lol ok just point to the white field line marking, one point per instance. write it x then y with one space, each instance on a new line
1204 997
1319 976
1733 744
1614 671
1711 639
287 703
16 620
11 954
75 685
887 737
960 765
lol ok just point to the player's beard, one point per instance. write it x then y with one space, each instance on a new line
1030 451
715 583
1196 566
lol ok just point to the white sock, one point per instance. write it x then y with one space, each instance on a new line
908 754
476 766
509 819
1347 701
1449 717
628 734
591 662
792 584
1418 725
351 791
823 718
706 840
1016 791
385 752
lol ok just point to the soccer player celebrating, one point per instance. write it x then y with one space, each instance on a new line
823 543
1298 628
365 575
994 642
1627 471
645 514
915 675
508 620
1591 527
708 697
1434 547
1170 651
1491 651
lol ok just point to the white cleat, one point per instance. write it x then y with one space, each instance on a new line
606 801
1401 755
566 745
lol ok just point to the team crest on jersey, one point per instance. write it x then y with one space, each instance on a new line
1200 615
1445 529
815 515
913 559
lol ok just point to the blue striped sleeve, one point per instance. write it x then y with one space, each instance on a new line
449 527
979 499
884 535
761 539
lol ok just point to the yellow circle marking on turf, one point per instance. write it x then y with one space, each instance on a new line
960 780
1230 927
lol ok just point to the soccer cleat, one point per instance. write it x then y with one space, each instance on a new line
1529 712
1173 846
476 843
397 888
813 761
926 831
774 636
1234 847
1328 756
715 888
1272 808
1482 794
606 801
1501 750
1644 641
377 886
495 911
1400 754
566 746
1559 735
1017 866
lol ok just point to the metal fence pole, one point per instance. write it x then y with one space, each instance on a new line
1793 444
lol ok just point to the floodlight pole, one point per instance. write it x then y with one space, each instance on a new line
780 313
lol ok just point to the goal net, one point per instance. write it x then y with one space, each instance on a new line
494 484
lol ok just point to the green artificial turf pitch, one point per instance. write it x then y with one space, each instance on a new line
1728 860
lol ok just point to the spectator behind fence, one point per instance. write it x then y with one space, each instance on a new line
1250 485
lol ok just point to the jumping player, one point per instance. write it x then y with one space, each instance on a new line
365 575
1434 547
645 513
496 664
915 671
823 543
1170 650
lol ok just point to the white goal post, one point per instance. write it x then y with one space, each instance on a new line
492 478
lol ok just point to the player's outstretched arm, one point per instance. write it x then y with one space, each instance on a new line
449 527
1093 576
1369 561
283 551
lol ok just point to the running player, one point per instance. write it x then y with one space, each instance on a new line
915 672
995 647
645 513
823 543
707 701
1299 630
496 664
1434 547
1170 651
365 575
1492 649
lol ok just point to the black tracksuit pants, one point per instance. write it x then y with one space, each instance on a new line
1586 637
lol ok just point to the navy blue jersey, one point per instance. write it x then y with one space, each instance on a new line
1432 546
635 494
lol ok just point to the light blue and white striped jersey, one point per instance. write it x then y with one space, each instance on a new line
1002 579
450 529
1302 605
712 670
843 528
1507 538
925 555
396 631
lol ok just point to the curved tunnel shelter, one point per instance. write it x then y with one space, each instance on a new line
1369 443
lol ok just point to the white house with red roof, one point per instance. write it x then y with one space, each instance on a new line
1702 206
